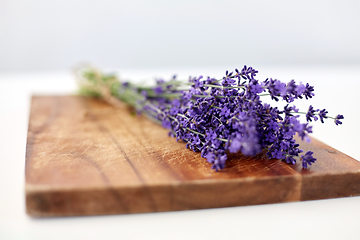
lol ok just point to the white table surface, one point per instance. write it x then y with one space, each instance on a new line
337 90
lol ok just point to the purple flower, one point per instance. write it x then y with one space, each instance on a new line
186 96
307 159
225 112
337 119
210 135
166 124
310 115
300 89
158 90
309 91
197 81
235 145
160 81
196 140
322 115
304 130
287 110
228 81
210 157
174 110
144 93
290 159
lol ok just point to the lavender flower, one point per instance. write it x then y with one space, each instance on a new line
158 90
322 115
218 116
337 119
311 114
307 159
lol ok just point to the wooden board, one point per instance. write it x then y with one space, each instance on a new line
85 157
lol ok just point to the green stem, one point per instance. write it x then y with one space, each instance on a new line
181 115
222 87
193 131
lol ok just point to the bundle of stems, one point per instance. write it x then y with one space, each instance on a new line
218 116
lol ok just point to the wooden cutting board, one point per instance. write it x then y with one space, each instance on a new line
85 157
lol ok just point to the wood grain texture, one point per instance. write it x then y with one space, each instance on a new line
84 157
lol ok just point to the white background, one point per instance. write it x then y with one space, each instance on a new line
53 35
309 41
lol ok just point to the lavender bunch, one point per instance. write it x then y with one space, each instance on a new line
218 116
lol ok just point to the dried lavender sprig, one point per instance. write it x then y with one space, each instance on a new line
215 118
